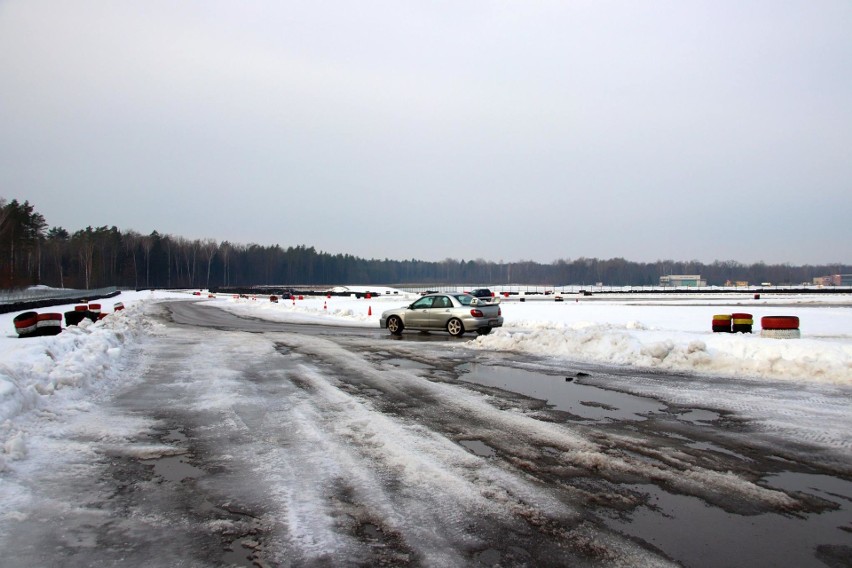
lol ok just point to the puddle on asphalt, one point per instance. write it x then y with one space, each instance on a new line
371 531
585 401
699 415
488 557
407 364
175 436
827 487
242 552
174 468
671 523
478 447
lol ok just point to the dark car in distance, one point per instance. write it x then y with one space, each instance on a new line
481 293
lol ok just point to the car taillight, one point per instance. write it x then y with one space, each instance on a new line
476 313
499 311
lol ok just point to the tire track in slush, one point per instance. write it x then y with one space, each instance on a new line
343 457
332 476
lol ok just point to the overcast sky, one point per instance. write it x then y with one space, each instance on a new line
525 130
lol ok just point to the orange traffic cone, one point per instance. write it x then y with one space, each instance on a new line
325 305
369 310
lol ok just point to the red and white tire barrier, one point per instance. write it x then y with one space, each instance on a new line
780 327
49 324
26 324
32 324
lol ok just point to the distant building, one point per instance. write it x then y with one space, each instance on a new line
737 283
834 280
688 280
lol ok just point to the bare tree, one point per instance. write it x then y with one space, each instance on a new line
131 244
189 252
84 243
167 241
57 242
225 254
208 251
148 244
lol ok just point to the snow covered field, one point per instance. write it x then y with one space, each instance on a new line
657 332
666 333
59 417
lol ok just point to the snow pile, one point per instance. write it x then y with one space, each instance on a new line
40 375
722 354
671 334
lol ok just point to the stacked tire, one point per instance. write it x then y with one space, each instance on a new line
95 312
780 327
722 323
75 317
32 324
49 324
26 324
742 323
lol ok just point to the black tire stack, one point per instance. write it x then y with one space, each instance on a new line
78 314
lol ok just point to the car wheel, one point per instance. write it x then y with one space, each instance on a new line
483 330
455 327
395 325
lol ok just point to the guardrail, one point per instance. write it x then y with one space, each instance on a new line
41 294
515 289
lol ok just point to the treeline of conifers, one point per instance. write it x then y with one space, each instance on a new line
97 257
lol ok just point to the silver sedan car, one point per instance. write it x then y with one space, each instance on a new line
453 313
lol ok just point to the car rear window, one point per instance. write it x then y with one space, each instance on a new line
464 299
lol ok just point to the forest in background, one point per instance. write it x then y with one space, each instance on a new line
97 257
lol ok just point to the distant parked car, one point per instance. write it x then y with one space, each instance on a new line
481 293
453 313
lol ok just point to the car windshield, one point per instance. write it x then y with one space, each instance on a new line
424 302
464 299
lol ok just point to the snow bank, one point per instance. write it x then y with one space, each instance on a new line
41 374
38 374
671 333
721 354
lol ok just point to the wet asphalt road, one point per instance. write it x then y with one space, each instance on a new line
265 444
